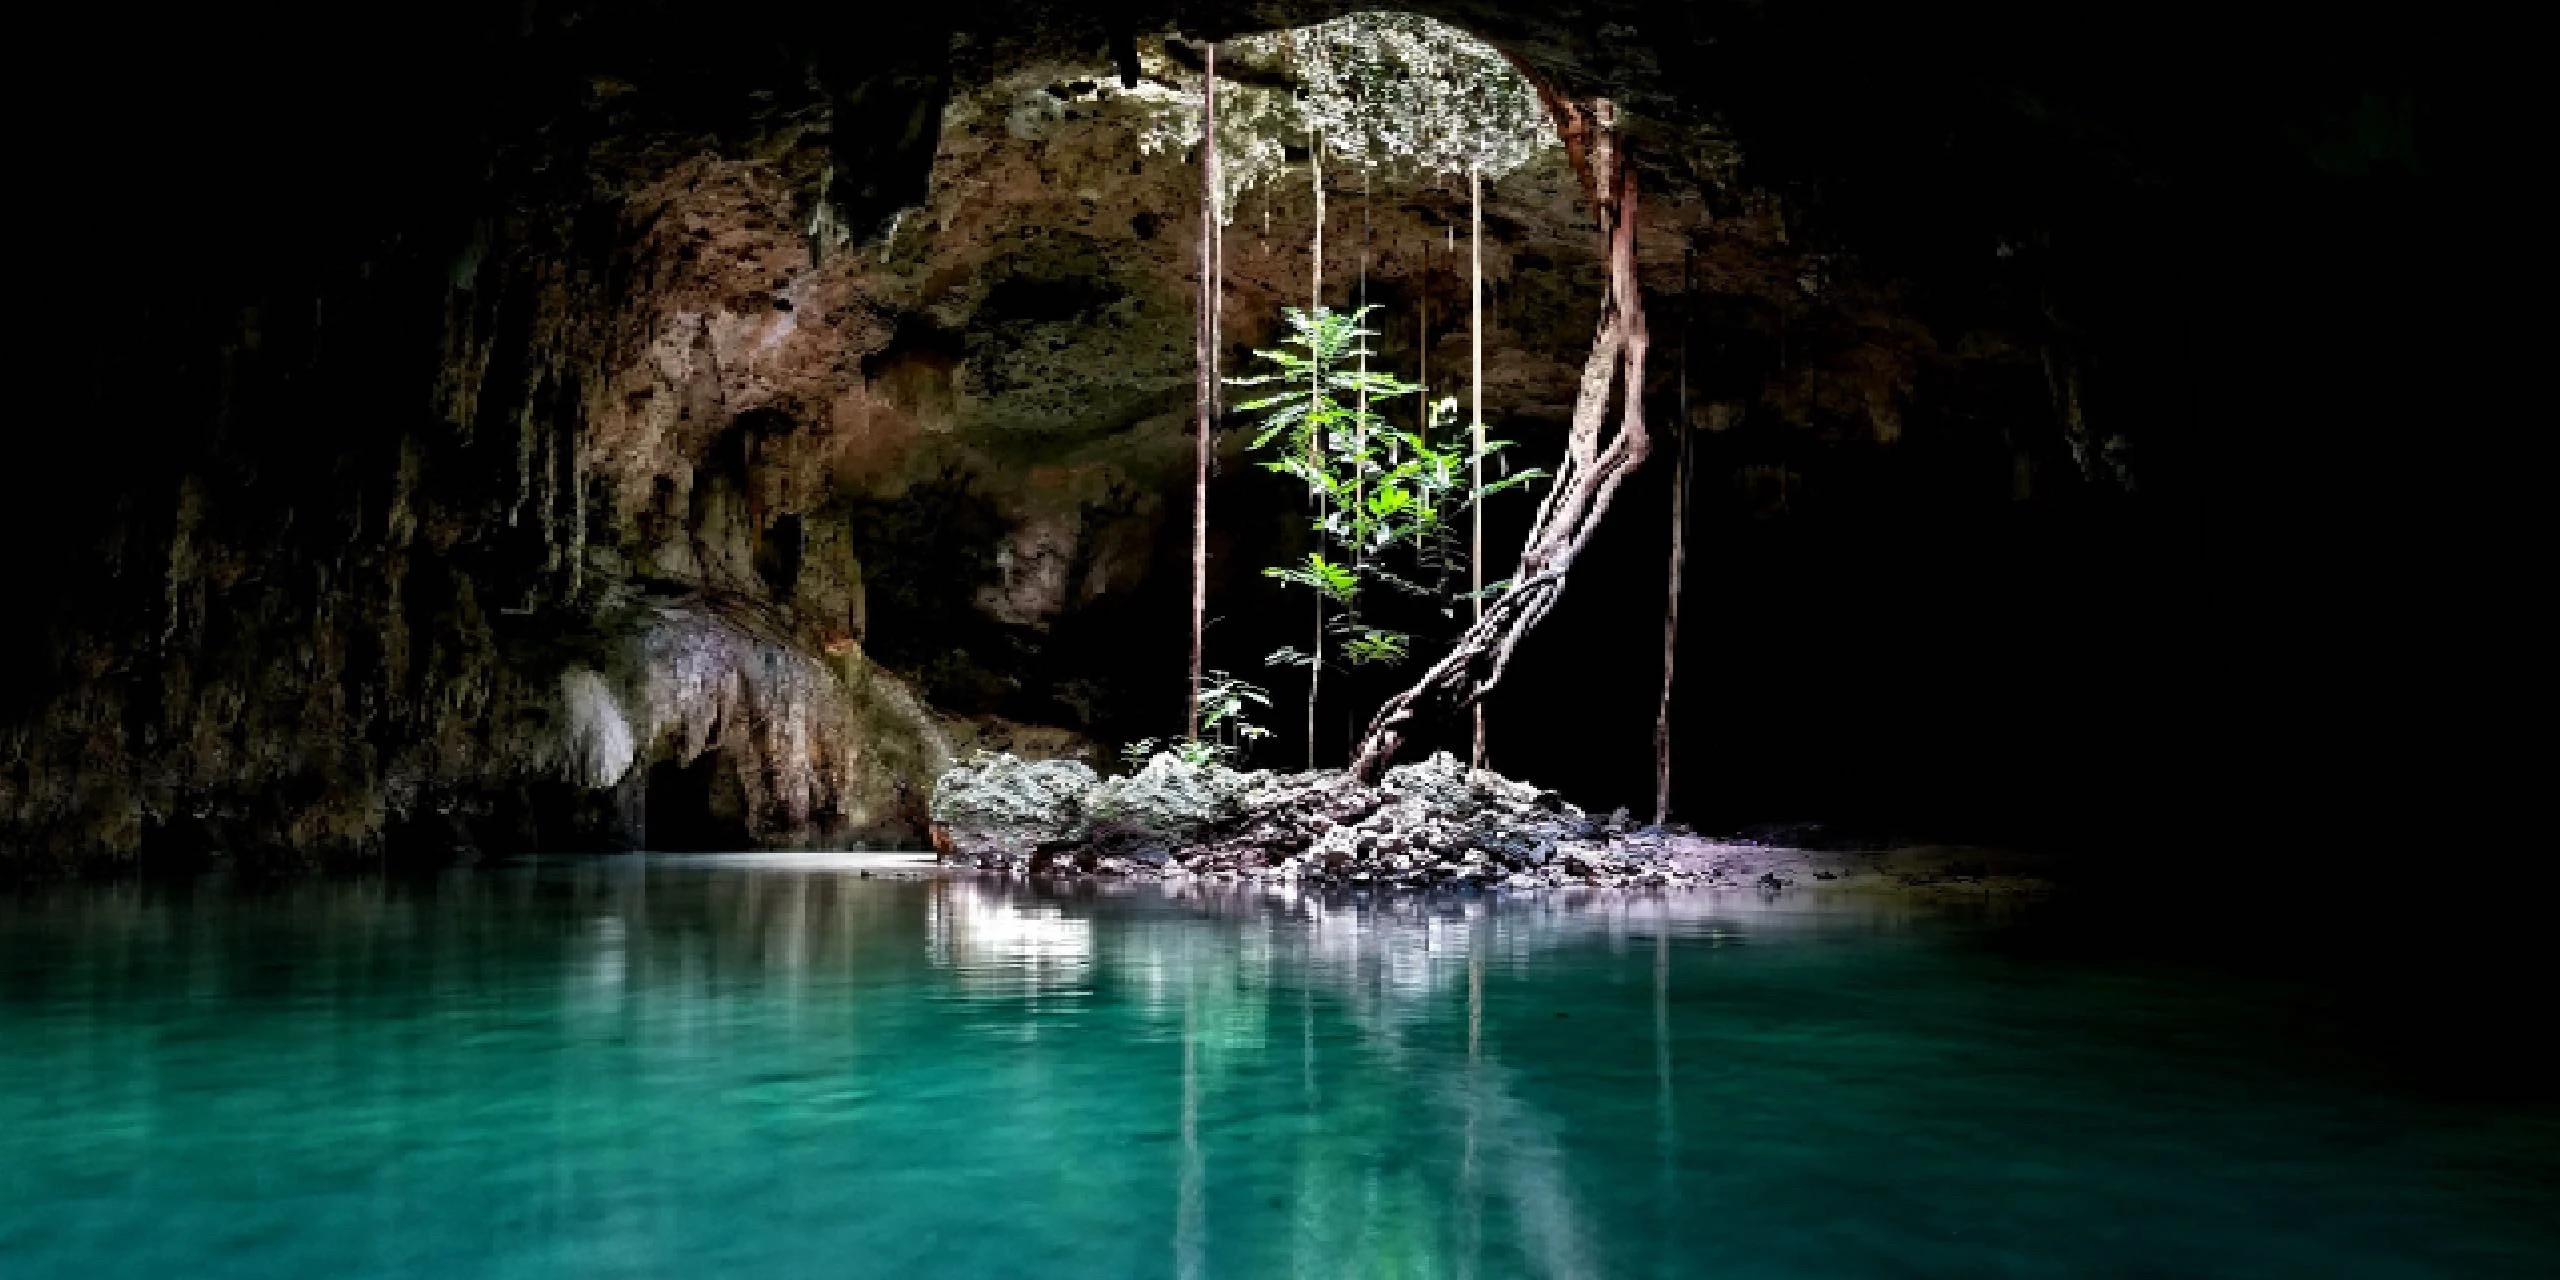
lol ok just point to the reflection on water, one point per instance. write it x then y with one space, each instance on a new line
1001 948
786 1066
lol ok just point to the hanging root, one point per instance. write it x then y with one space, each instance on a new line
1596 460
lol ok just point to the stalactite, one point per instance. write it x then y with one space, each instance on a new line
548 506
524 454
577 508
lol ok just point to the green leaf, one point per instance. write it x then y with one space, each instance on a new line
1514 479
1374 646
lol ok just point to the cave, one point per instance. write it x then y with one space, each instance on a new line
824 400
695 807
1992 546
830 392
885 360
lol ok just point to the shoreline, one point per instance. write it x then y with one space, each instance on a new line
1641 861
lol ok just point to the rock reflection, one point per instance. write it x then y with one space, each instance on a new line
1225 968
1002 946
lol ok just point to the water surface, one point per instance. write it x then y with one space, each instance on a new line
787 1067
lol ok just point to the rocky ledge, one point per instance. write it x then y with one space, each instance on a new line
1434 824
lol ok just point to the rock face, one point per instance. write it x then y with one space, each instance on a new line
734 520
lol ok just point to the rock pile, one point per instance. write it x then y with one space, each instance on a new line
1431 824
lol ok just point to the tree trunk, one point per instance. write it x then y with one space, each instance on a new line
1205 395
1596 462
1679 561
1475 391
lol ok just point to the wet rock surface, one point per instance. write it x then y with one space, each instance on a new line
1433 824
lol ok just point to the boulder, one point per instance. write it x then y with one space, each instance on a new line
1002 808
1172 797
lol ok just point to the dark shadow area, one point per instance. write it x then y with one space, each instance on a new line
699 807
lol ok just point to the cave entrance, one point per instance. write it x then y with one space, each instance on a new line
697 807
1349 173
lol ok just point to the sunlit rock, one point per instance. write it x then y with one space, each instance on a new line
1434 824
1002 807
1172 796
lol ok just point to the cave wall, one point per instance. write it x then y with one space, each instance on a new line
396 555
450 437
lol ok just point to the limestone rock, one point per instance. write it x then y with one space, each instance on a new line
1002 807
1450 790
1172 796
1432 824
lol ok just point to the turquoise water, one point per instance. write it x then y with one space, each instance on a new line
780 1067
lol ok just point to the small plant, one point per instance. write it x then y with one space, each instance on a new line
1331 580
1223 700
1228 736
1191 751
1386 501
1377 645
